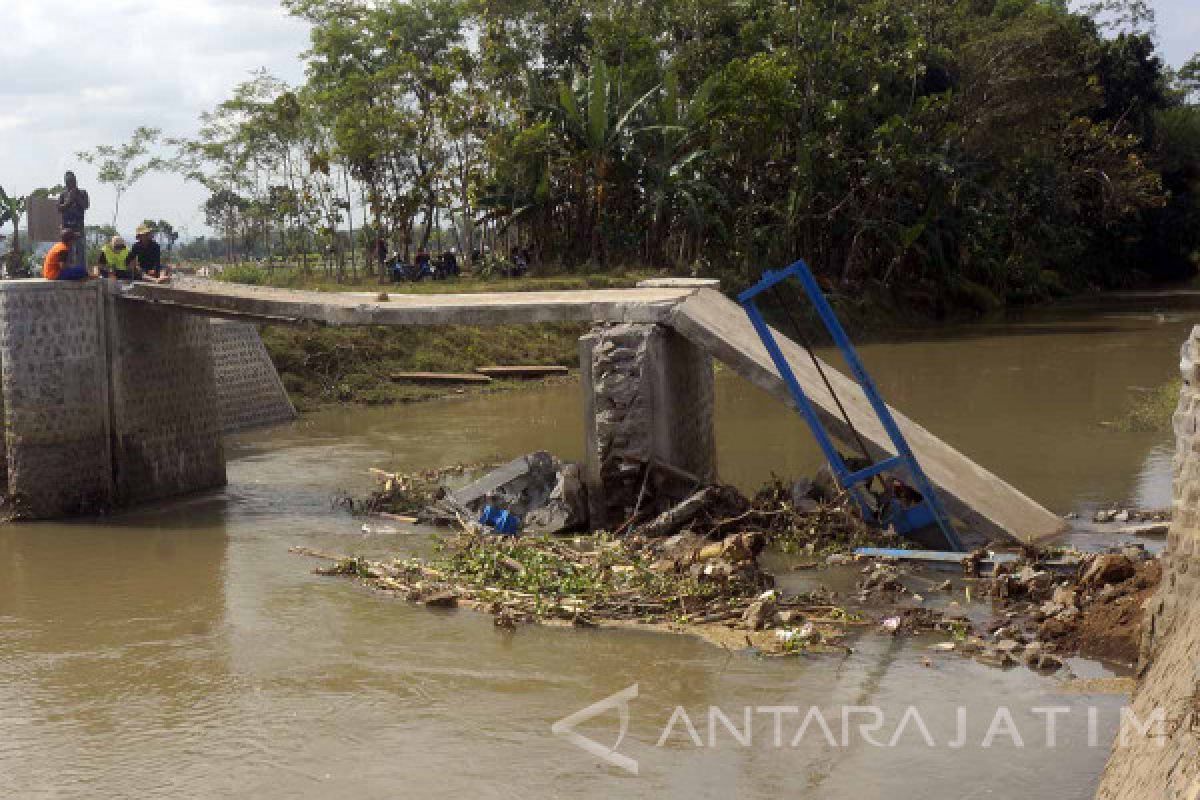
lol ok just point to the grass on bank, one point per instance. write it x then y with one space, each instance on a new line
321 366
1152 411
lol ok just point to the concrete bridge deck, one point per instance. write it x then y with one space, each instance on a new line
237 301
984 504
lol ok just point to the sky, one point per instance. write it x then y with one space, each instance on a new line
80 73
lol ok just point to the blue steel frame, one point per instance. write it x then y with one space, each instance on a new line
905 520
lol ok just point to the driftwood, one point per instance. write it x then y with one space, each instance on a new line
674 519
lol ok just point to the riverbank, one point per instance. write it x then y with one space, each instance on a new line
324 366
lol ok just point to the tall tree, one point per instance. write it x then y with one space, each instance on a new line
121 166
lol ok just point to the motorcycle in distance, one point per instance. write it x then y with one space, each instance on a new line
401 271
435 269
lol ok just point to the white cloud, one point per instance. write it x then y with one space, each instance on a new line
1178 29
79 73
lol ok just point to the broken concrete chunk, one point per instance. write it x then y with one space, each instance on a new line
566 508
1065 597
518 486
546 494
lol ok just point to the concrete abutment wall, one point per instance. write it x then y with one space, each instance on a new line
1168 766
106 404
250 393
166 424
54 391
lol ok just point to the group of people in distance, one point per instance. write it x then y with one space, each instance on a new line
143 261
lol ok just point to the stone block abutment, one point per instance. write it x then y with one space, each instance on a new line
106 404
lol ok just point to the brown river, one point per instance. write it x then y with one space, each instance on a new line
182 652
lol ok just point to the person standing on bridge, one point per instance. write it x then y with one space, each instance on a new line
148 255
57 266
73 204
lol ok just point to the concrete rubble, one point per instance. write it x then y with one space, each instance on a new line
546 493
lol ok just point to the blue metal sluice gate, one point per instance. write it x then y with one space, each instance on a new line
908 507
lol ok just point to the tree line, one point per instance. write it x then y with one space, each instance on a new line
950 152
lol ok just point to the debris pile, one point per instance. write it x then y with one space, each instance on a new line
686 583
410 493
1040 616
687 559
1101 616
1115 519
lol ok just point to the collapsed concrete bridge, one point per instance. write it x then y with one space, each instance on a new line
113 398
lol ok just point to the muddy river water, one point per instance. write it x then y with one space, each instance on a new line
182 652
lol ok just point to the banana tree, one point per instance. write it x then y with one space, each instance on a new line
672 170
597 130
12 209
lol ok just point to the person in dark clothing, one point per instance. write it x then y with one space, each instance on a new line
381 250
520 263
148 256
424 265
73 204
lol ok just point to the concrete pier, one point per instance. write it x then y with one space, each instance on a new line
649 396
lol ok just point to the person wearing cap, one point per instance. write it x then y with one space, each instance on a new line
57 266
114 260
148 255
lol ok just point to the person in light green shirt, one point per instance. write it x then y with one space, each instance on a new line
114 260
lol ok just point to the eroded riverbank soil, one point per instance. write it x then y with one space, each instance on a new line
1109 627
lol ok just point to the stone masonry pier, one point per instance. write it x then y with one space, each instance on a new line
110 404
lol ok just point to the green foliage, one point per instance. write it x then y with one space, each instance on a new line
12 211
952 156
339 365
123 165
1152 410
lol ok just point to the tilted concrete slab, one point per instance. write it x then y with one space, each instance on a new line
235 301
984 505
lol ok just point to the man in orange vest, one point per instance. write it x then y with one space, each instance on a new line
55 267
